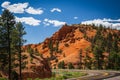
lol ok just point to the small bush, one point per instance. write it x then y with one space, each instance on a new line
61 65
29 79
3 79
36 79
70 66
66 45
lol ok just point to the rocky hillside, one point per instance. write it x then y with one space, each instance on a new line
35 66
79 45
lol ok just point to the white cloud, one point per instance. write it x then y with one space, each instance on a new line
56 23
5 4
15 8
29 20
31 10
75 17
105 22
55 9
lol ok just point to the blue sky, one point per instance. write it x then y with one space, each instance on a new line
41 18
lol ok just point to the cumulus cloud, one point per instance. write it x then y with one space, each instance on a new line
28 20
31 10
105 22
75 17
55 9
5 4
55 23
15 8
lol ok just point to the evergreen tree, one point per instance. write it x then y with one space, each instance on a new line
70 65
108 48
3 47
10 41
114 59
61 65
87 59
80 55
98 56
109 42
21 32
115 46
98 47
57 46
50 46
7 20
30 51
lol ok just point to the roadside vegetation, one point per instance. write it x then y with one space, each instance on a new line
3 79
62 74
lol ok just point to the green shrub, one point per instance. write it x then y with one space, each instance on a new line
61 65
29 79
36 79
70 65
3 79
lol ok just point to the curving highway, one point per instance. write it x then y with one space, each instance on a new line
98 75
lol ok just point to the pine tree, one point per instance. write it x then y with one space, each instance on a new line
70 65
61 65
98 56
87 59
21 32
10 41
80 55
98 47
7 20
50 46
3 47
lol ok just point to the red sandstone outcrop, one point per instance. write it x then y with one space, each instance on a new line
67 43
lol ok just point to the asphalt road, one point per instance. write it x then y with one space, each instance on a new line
98 75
